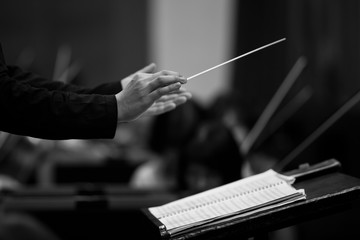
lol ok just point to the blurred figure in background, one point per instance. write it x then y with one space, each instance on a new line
195 150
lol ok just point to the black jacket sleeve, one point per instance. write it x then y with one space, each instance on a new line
36 107
40 82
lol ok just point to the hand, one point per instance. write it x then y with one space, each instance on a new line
148 69
168 102
151 94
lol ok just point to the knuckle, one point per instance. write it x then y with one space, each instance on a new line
136 76
161 80
163 72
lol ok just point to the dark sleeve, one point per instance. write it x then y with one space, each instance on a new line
50 112
40 82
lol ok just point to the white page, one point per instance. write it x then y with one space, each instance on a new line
242 195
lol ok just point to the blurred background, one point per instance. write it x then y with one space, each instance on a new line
198 145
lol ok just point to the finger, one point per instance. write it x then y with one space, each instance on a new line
188 95
162 107
179 100
167 73
163 81
159 92
137 75
171 97
159 108
143 75
148 69
182 92
167 97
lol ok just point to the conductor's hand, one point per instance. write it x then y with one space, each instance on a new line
149 94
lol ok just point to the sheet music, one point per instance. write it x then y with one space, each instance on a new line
241 196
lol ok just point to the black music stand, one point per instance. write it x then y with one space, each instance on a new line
328 192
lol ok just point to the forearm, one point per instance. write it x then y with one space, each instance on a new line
40 82
41 113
